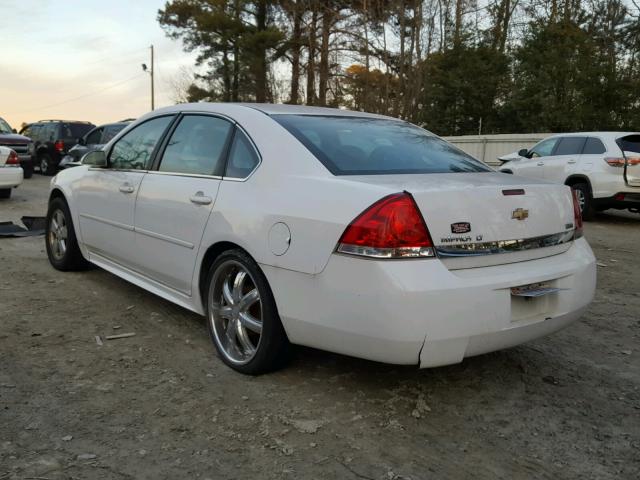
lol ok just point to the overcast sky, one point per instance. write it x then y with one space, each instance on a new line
53 51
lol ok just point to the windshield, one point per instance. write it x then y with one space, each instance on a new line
4 127
366 146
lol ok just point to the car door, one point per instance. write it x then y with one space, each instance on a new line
106 196
175 200
564 159
533 165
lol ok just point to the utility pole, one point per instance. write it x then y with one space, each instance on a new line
150 71
153 103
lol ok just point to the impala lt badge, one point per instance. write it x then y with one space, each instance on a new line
520 214
460 227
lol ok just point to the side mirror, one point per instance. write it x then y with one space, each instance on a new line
523 152
80 141
14 130
97 158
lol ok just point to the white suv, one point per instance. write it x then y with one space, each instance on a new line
602 167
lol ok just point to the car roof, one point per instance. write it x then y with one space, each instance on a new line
271 109
608 134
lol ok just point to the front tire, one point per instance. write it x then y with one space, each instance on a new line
28 170
585 199
62 245
242 316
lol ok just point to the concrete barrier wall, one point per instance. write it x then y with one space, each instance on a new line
489 147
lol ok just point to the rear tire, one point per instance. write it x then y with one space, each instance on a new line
586 200
46 165
5 193
62 245
242 316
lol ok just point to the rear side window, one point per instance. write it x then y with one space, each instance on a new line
570 146
242 158
371 146
197 146
74 130
630 143
594 146
134 150
110 132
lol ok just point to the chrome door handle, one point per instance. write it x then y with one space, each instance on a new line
127 188
540 164
200 199
571 161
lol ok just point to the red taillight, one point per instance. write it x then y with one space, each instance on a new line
12 159
620 161
390 228
577 215
59 146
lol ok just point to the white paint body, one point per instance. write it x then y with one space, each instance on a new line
429 311
10 176
605 181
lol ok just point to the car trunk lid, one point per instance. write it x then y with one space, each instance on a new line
630 146
482 219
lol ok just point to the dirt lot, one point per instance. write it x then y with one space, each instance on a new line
161 405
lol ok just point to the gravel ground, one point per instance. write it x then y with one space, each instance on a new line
161 405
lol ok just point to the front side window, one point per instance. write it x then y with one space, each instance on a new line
544 148
372 146
197 146
570 146
111 131
134 150
242 157
94 137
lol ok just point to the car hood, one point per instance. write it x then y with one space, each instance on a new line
13 138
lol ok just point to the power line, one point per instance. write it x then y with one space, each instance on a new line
82 96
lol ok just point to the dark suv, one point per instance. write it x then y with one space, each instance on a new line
19 144
52 139
93 140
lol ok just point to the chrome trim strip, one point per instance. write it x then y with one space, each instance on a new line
166 238
123 226
386 253
180 174
504 246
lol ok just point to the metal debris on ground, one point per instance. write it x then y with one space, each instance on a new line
121 335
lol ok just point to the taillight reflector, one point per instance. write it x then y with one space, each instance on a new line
390 228
577 216
620 161
59 146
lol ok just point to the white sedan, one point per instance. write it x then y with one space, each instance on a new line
11 173
345 231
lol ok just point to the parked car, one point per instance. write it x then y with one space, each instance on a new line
602 167
52 139
345 231
19 144
92 140
11 173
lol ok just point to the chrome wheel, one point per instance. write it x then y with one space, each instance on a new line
235 312
44 165
58 235
581 198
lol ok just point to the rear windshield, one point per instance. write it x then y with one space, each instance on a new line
630 143
75 130
365 146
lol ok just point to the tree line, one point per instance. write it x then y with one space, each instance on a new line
454 66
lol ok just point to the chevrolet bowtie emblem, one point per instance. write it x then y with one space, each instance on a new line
520 214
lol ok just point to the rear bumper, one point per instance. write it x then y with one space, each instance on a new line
10 177
620 200
419 312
